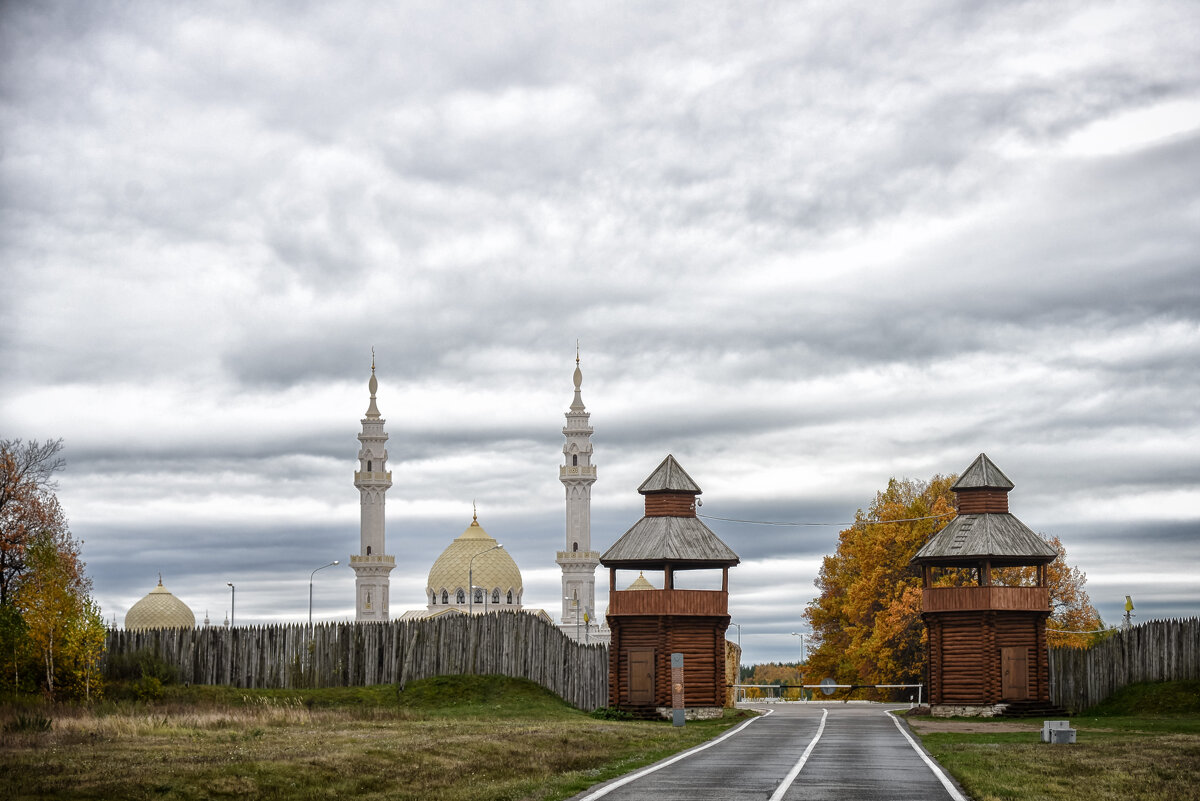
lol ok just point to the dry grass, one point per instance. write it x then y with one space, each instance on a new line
1141 745
1100 767
291 748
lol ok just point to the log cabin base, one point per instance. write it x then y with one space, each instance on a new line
967 710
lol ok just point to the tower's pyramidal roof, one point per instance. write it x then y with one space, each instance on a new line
669 476
982 474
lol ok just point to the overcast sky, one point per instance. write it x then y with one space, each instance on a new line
805 247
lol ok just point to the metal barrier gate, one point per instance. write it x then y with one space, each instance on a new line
827 688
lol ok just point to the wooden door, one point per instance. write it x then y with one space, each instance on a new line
641 676
1014 667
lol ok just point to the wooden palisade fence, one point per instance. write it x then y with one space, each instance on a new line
1158 650
357 654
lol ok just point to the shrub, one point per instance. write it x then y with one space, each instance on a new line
147 688
28 723
140 664
611 713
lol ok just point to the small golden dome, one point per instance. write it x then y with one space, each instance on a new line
159 610
641 583
493 569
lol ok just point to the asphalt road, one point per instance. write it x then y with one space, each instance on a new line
833 752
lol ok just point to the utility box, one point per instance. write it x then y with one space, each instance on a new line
1062 736
1058 732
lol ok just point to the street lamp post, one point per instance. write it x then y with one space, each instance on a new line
232 604
800 665
471 577
310 585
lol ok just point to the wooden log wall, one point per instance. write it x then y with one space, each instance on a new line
965 650
701 640
359 654
961 663
1158 650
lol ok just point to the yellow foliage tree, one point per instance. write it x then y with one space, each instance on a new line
1074 621
49 625
866 619
49 601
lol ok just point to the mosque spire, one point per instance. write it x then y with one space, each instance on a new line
372 563
577 560
577 404
373 385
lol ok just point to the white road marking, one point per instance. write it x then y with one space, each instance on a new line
795 771
608 788
942 777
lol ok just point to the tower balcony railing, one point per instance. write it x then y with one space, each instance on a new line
668 602
577 471
373 559
578 556
373 475
976 599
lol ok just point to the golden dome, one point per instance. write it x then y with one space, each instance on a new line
494 569
159 610
641 583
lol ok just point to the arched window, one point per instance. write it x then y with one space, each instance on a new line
478 595
575 459
433 598
510 596
368 465
574 546
496 596
368 550
460 597
445 597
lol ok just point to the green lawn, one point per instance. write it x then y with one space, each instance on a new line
484 738
1141 745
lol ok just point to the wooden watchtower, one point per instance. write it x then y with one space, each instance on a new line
987 643
648 625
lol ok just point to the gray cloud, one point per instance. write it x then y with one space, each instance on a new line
805 248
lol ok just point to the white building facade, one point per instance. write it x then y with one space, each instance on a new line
371 564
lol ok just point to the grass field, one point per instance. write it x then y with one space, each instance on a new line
1141 745
484 738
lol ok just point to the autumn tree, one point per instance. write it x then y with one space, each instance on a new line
27 503
1073 620
866 620
49 625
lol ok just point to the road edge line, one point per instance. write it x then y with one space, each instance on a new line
624 780
795 771
937 771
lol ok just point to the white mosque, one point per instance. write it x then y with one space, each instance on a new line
474 574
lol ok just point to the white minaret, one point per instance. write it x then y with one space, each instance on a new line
578 561
371 565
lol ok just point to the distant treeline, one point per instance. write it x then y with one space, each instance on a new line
357 654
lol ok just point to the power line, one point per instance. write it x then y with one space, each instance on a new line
854 523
